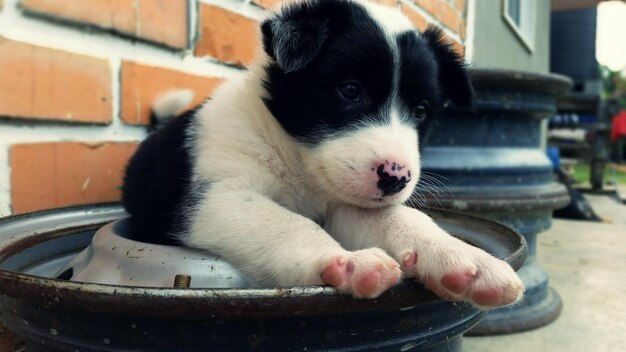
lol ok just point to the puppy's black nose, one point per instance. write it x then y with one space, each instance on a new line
391 182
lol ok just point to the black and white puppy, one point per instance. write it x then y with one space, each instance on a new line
297 171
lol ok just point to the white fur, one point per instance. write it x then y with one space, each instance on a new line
401 231
391 20
342 166
171 103
279 210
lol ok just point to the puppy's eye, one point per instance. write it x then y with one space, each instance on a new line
350 91
421 111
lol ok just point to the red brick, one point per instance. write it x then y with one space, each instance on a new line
226 36
42 83
429 5
460 5
142 84
161 21
50 175
418 20
462 29
448 16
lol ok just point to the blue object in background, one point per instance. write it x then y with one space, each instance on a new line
554 155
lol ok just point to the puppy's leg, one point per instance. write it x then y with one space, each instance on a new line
278 247
448 266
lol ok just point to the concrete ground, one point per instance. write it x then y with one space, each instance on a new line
587 265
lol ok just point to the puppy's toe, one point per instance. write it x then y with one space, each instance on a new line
338 272
364 274
458 282
474 276
496 289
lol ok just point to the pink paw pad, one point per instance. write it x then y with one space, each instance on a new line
488 297
337 272
457 282
364 277
432 285
372 283
368 284
409 260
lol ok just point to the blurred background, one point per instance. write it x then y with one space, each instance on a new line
77 78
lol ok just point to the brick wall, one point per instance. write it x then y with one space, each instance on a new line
77 79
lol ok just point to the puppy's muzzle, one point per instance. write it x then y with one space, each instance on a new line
392 177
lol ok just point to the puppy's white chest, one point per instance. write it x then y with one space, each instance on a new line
292 189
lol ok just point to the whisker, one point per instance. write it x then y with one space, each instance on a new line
431 184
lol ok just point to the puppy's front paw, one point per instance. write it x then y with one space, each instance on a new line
464 273
364 274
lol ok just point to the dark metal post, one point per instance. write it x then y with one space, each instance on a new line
491 162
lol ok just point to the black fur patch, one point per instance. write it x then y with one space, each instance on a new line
431 72
157 185
418 73
319 44
452 74
342 43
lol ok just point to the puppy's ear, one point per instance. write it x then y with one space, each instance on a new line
293 43
453 73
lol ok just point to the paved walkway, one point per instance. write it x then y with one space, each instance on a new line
587 265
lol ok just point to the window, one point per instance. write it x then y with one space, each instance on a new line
521 16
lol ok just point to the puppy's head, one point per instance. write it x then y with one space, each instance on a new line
352 82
